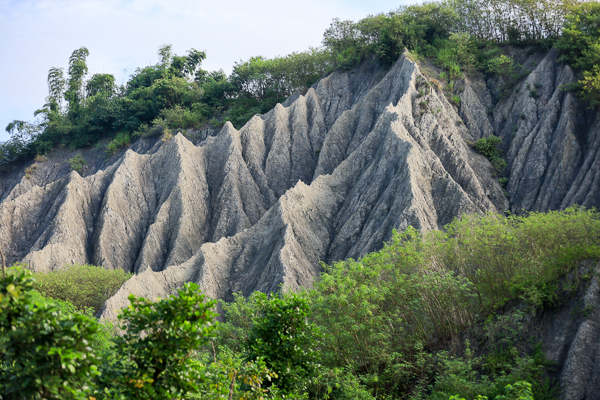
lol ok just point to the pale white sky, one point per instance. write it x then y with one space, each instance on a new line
122 35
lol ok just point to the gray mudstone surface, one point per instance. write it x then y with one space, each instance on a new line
322 177
570 336
325 176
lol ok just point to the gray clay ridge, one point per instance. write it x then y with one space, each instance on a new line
325 176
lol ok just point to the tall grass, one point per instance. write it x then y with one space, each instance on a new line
84 286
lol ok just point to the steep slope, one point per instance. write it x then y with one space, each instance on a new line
551 140
385 163
325 176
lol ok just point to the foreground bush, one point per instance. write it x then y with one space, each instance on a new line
50 350
84 286
393 320
282 337
46 351
158 342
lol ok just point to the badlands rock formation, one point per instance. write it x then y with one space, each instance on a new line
552 141
326 176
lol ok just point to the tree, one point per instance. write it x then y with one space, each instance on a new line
580 47
189 66
282 336
56 85
77 71
21 142
159 341
100 83
165 53
580 41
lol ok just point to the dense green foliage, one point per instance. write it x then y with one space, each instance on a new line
463 36
158 343
45 351
390 325
84 286
174 94
51 350
456 34
393 321
385 313
282 337
580 45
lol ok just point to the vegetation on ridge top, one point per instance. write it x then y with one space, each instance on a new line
176 93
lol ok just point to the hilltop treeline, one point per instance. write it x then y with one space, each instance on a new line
176 93
390 325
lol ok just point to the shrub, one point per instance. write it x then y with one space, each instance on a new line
84 286
121 140
46 351
466 49
229 377
489 148
179 117
159 341
76 163
590 86
281 335
385 314
500 65
29 170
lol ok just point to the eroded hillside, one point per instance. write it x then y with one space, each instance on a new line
326 176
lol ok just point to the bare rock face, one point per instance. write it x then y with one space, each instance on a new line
325 176
569 335
552 142
322 177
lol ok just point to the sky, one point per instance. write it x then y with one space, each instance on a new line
122 35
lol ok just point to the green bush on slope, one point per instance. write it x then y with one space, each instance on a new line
580 47
176 93
393 321
423 289
489 148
